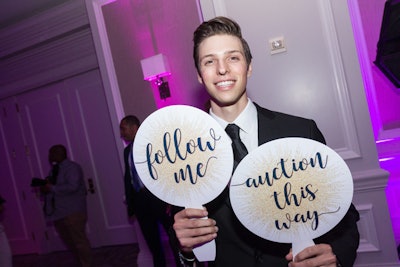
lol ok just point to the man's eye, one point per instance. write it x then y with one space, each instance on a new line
234 58
208 62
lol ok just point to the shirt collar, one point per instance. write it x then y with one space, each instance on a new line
246 120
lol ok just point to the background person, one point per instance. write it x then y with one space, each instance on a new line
149 210
65 203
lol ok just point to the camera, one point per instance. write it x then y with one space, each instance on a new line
36 182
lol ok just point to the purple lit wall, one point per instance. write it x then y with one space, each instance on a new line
142 29
382 96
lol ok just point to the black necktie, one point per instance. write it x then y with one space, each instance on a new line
239 149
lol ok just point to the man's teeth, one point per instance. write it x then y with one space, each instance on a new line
225 83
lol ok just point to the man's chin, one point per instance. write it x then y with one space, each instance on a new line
226 102
222 103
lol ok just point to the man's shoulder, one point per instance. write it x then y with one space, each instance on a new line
277 115
71 164
127 149
273 125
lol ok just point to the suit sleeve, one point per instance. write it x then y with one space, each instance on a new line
129 192
344 238
129 198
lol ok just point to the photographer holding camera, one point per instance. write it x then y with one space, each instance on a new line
65 202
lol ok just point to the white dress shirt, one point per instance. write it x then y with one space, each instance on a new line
248 124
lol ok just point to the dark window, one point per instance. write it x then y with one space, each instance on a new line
388 50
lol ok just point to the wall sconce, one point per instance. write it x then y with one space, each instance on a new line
156 69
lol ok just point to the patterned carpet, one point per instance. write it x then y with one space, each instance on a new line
112 256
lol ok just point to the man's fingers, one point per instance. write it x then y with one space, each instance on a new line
190 214
193 228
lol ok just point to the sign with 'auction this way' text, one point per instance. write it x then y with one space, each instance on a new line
291 190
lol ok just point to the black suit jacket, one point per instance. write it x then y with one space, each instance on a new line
236 246
129 191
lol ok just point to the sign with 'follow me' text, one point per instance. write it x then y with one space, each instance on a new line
184 157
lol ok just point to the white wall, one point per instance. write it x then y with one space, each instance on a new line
319 77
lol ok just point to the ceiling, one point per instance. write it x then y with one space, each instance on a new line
12 11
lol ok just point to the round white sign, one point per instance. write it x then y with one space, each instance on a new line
291 189
183 156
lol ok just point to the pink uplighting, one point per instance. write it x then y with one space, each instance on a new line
382 96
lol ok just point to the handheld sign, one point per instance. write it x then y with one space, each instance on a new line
291 190
184 157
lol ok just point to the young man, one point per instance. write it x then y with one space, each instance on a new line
223 61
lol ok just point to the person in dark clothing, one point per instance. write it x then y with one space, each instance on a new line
141 203
223 61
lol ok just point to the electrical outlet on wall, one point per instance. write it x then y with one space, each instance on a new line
277 45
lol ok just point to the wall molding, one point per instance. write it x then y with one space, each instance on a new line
46 48
212 8
369 241
42 27
351 150
370 180
104 56
48 63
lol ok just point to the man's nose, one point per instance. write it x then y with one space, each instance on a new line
223 68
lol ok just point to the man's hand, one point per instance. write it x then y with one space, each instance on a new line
192 228
317 255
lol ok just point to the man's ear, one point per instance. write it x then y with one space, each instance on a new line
199 78
249 70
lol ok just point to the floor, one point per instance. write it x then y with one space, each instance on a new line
111 256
